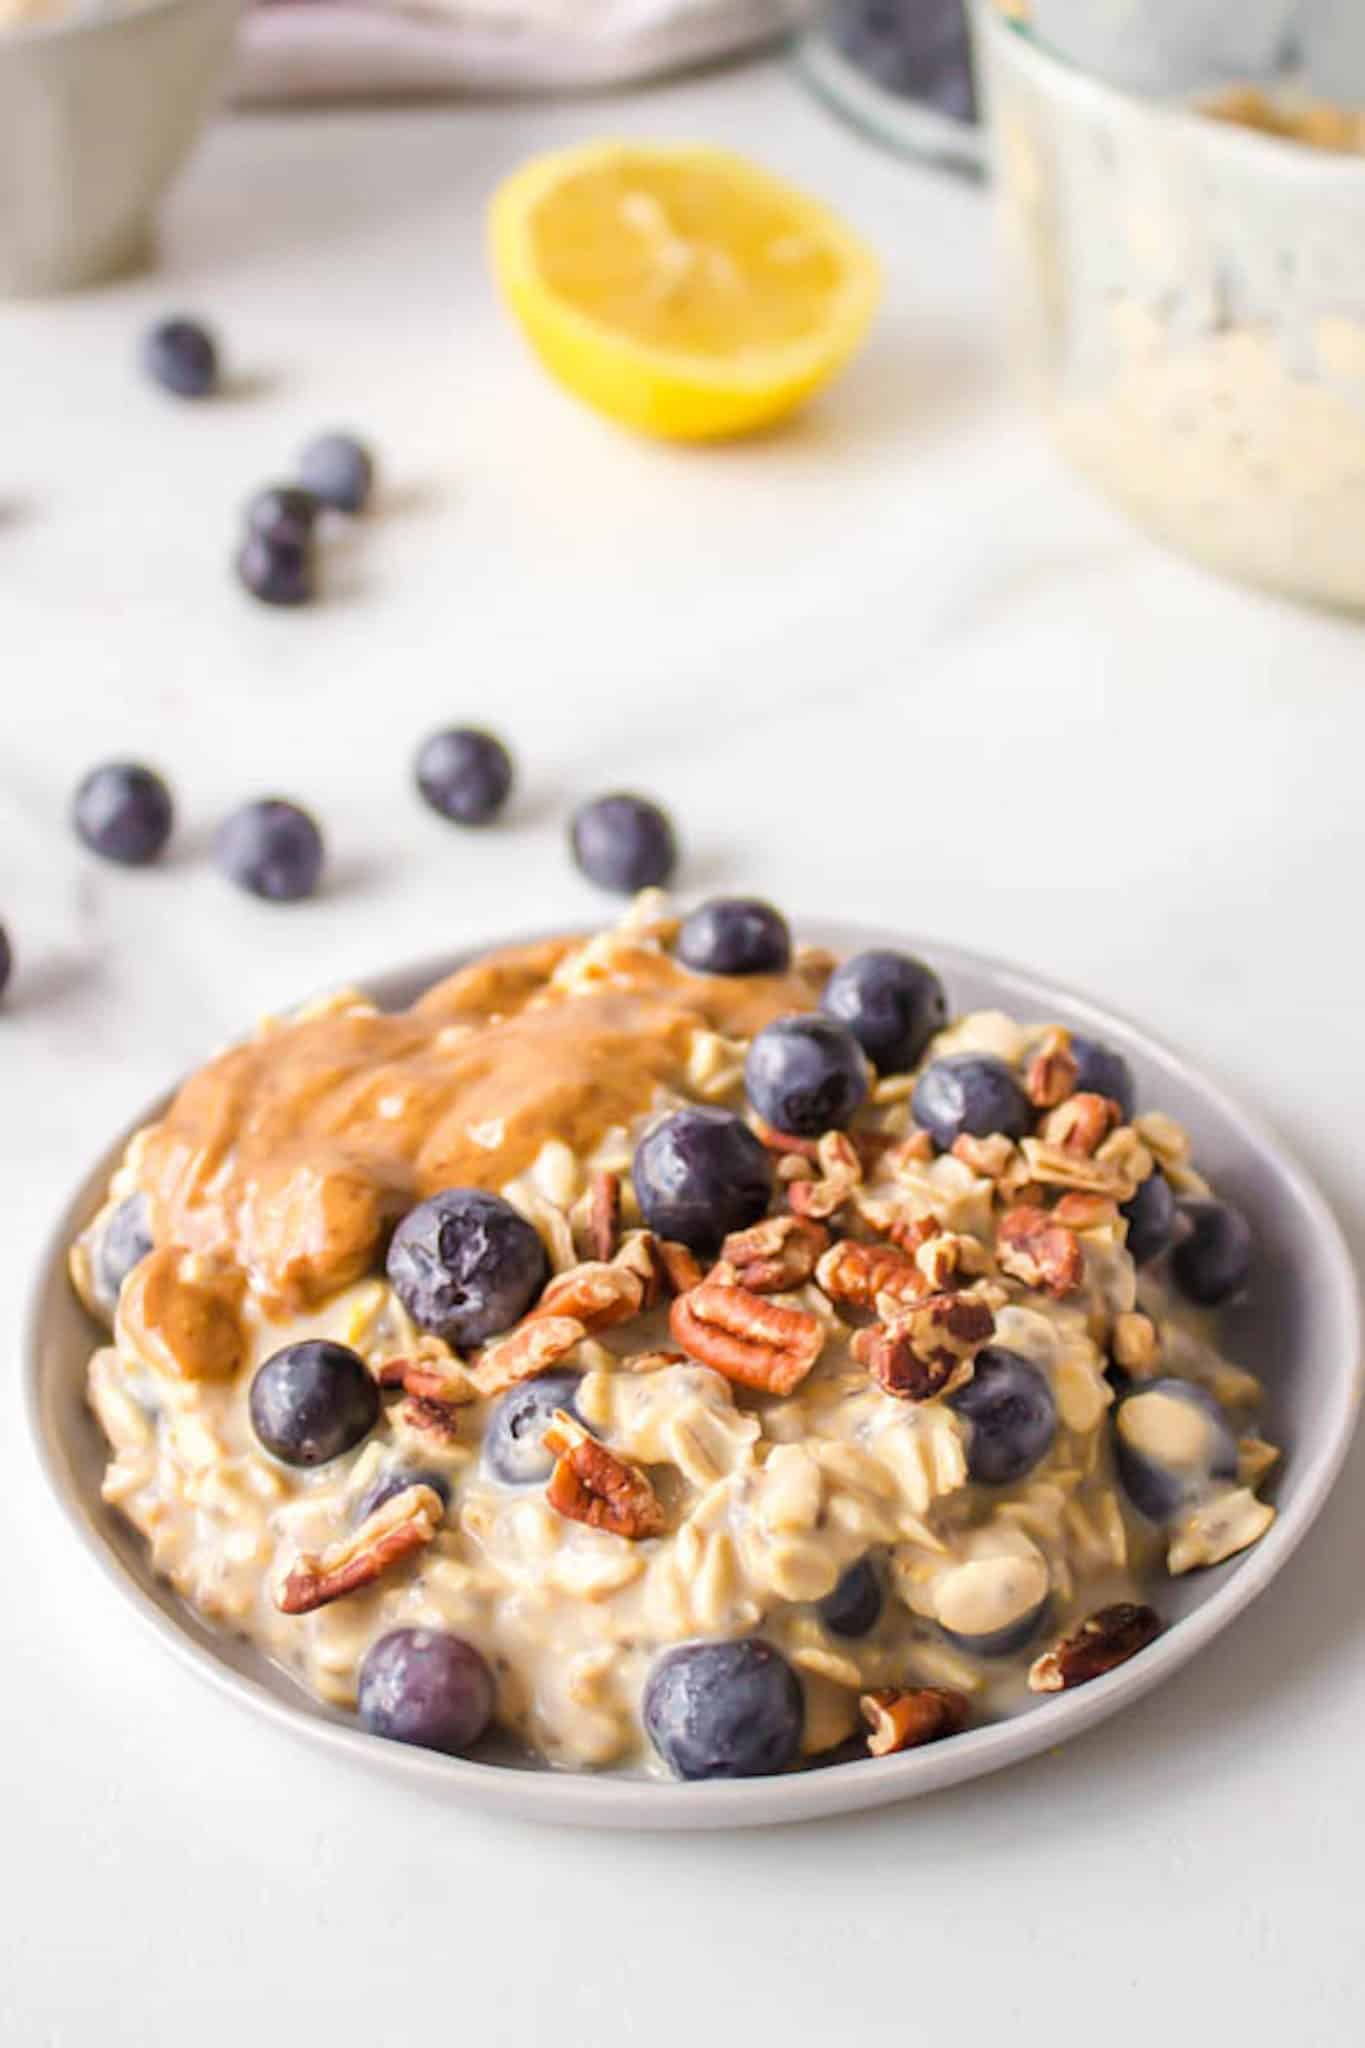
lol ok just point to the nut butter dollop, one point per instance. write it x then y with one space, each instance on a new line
293 1153
179 1311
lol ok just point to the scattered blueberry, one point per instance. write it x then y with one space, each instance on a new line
806 1075
123 812
699 1174
512 1450
1166 1460
1102 1071
1005 1641
623 843
465 1264
6 960
854 1606
312 1401
1212 1262
181 356
735 935
916 49
125 1240
424 1686
277 568
1151 1219
283 512
272 849
1013 1416
724 1710
892 1003
338 469
969 1094
464 774
390 1484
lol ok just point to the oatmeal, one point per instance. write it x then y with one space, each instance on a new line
609 1348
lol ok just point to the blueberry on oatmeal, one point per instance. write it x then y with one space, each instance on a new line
339 470
1150 1217
1012 1415
272 849
698 1175
1102 1071
123 812
854 1606
1172 1442
424 1686
806 1075
970 1094
312 1401
1212 1261
124 1241
466 1265
512 1449
464 774
724 1710
891 1002
735 935
623 843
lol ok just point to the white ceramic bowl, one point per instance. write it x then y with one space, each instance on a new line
97 113
1300 1329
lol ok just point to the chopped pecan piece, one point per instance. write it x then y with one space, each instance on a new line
597 1294
403 1524
681 1268
989 1157
604 1213
784 1141
430 1379
1031 1247
919 1354
904 1719
532 1348
749 1339
1101 1643
1051 1074
854 1274
772 1256
429 1416
841 1171
1082 1123
1085 1212
591 1484
916 1150
947 1255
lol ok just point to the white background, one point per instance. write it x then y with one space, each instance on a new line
891 661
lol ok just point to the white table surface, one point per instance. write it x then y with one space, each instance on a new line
893 659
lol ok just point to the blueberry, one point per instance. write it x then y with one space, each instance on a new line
512 1450
125 1240
277 568
1102 1071
970 1094
338 469
123 812
699 1174
892 1003
917 49
806 1075
312 1401
1151 1219
424 1686
855 1605
1212 1262
1171 1442
1013 1416
283 512
6 960
465 1264
724 1710
464 774
397 1480
623 843
735 935
181 356
272 849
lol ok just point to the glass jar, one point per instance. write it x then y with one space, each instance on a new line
901 71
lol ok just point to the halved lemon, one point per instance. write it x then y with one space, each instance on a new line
679 288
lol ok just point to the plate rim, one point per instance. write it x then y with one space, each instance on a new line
604 1799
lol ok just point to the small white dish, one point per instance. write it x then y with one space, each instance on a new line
1300 1330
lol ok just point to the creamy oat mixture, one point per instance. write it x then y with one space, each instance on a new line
745 1430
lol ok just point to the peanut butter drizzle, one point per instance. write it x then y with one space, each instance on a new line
181 1314
293 1153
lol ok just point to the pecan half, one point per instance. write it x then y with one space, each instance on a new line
604 1213
905 1719
1051 1074
532 1348
1030 1247
1105 1640
1082 1123
591 1484
772 1256
392 1532
754 1342
854 1274
597 1294
919 1354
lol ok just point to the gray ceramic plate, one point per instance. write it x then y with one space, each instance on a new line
1300 1330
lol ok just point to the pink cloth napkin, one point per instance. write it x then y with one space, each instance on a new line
329 49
